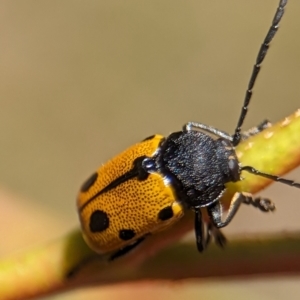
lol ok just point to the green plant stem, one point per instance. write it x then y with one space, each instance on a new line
276 255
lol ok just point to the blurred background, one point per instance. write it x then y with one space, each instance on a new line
82 80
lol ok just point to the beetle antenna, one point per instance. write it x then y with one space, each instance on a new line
272 177
259 59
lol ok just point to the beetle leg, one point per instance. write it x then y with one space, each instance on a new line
263 204
126 249
199 230
219 237
245 135
115 255
211 231
215 211
192 126
255 130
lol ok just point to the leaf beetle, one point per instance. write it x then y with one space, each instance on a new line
148 187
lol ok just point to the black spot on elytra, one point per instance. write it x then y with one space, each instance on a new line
166 213
126 234
99 221
89 182
148 138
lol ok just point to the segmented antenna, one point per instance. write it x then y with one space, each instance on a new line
260 57
272 177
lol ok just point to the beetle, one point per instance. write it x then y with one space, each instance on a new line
148 187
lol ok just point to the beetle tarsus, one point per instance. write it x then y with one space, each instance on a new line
263 204
256 129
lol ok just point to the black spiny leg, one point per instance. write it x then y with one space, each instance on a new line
126 249
215 210
199 230
263 204
219 237
204 238
255 130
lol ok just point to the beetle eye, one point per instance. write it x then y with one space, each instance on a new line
234 168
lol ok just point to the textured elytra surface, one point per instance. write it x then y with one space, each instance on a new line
118 166
132 205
